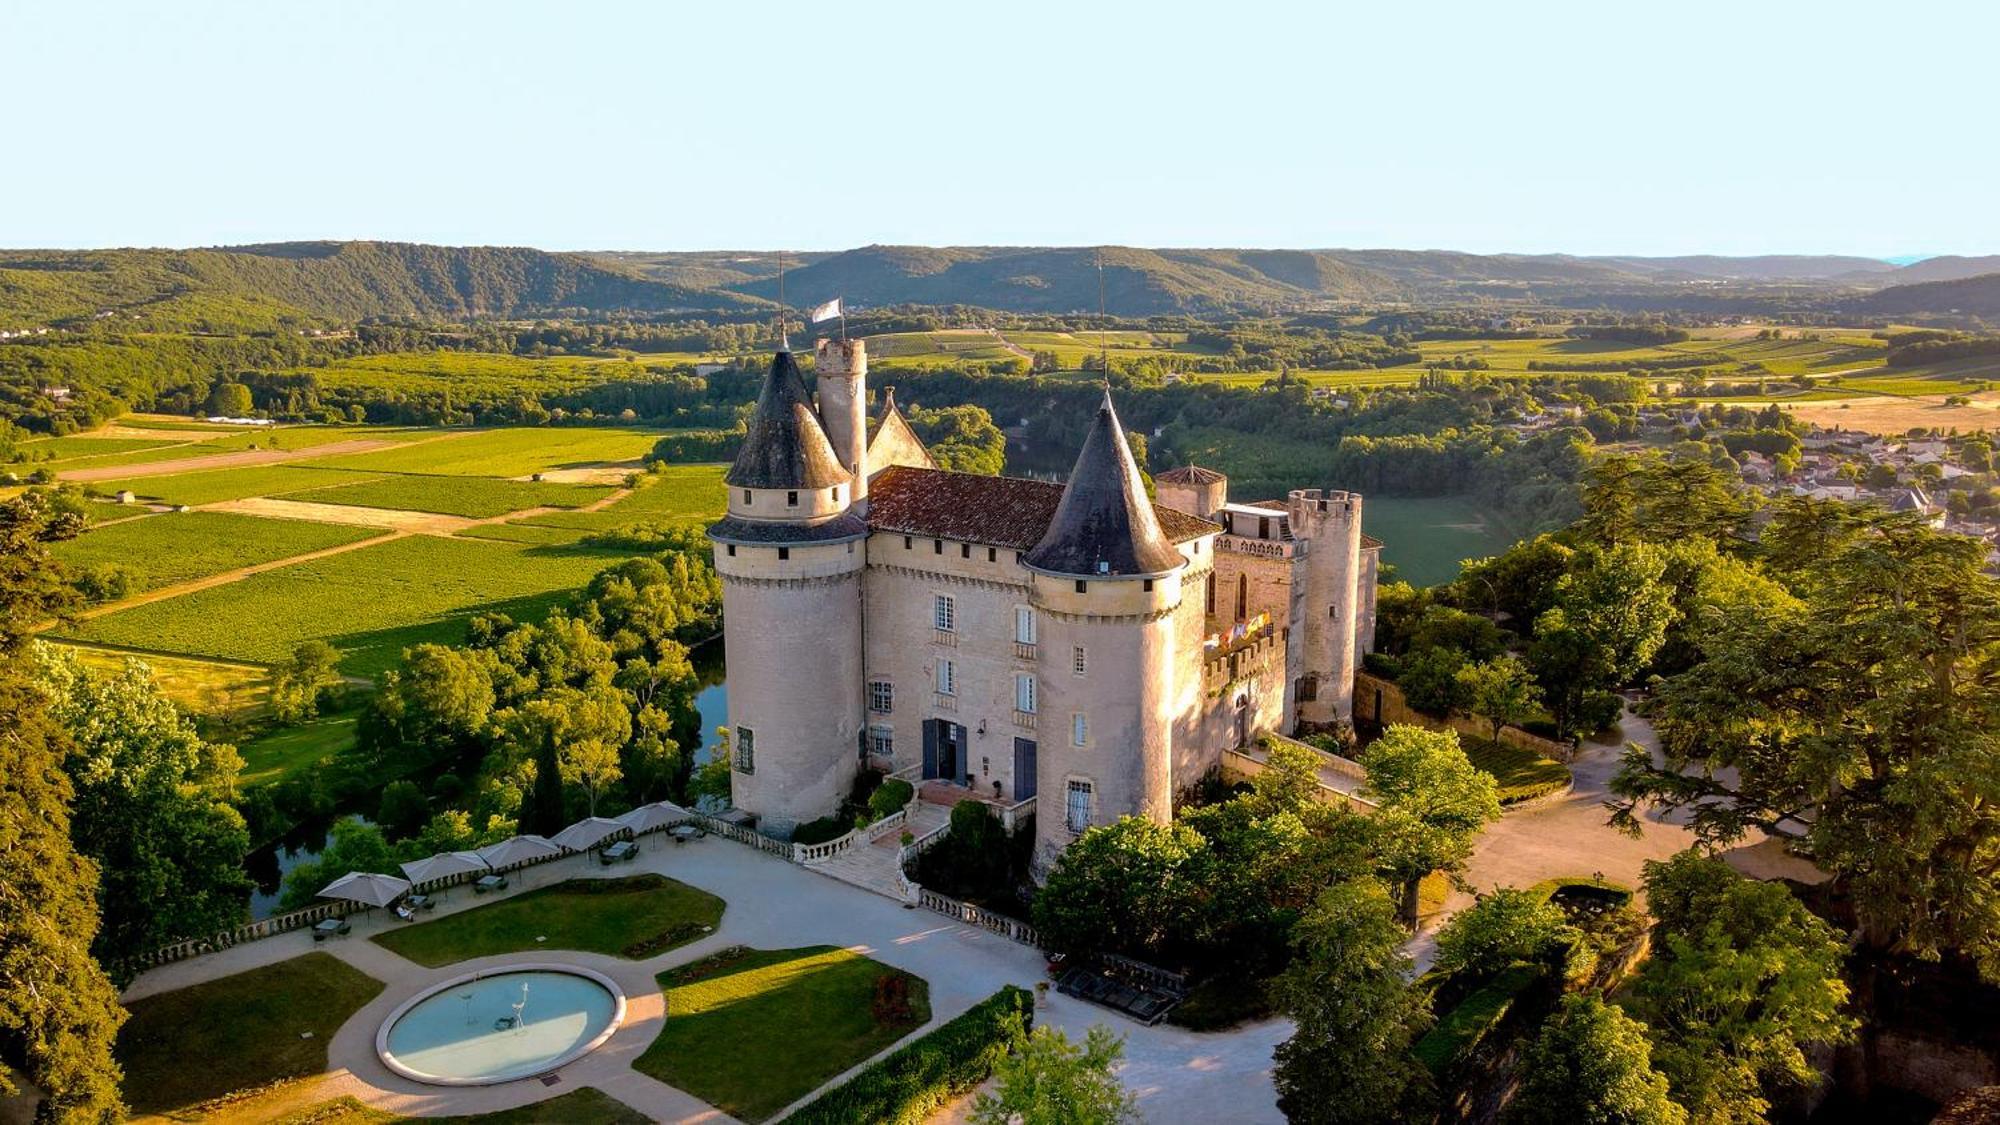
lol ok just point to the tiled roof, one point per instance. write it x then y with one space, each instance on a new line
1369 542
1001 511
1189 474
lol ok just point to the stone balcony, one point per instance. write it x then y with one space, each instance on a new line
1260 548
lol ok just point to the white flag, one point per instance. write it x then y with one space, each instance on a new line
827 311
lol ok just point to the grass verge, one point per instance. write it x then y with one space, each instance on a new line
919 1079
1523 774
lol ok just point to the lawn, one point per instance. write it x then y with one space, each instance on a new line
179 547
752 1031
269 757
1523 774
370 602
513 452
240 1031
641 916
471 497
212 486
583 1106
1426 537
200 686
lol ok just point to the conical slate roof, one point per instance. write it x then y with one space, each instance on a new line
1104 525
786 446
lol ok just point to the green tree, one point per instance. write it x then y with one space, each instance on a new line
151 807
1743 979
1610 617
1502 927
1130 887
961 438
59 1014
301 684
1591 1065
402 810
1869 713
1502 691
230 400
353 845
438 700
1348 993
1432 801
1048 1080
1430 682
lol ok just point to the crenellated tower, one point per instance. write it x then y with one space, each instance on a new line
790 553
1329 607
842 372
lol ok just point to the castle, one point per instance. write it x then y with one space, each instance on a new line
1075 643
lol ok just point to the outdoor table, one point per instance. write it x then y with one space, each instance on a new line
489 883
422 902
682 833
622 850
329 927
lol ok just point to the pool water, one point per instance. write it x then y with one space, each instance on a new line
509 1024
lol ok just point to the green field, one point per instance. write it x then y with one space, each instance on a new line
83 445
675 494
269 757
370 603
200 686
472 497
516 452
212 486
182 546
275 437
524 533
1426 537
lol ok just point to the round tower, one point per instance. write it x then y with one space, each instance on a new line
1323 685
790 553
841 368
1105 585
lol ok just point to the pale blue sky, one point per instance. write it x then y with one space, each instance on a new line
1605 127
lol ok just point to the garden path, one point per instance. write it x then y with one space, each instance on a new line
1178 1076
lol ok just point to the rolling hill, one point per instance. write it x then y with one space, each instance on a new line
253 287
1977 296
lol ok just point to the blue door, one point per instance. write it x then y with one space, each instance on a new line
1024 768
931 749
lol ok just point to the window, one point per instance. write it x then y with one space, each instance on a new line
836 494
1079 730
791 499
947 677
881 696
746 750
906 542
1024 694
992 555
1210 594
746 497
1081 585
1149 585
784 553
965 550
882 742
1242 597
1077 661
937 546
1077 812
732 550
944 613
1024 625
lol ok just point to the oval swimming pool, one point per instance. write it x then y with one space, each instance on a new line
498 1026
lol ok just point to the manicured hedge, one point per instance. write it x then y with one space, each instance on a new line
891 796
1465 1026
916 1081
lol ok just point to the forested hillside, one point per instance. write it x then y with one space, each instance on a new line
292 284
1971 296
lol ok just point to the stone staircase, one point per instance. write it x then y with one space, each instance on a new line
872 867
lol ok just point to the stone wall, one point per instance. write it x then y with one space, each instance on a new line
1381 702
